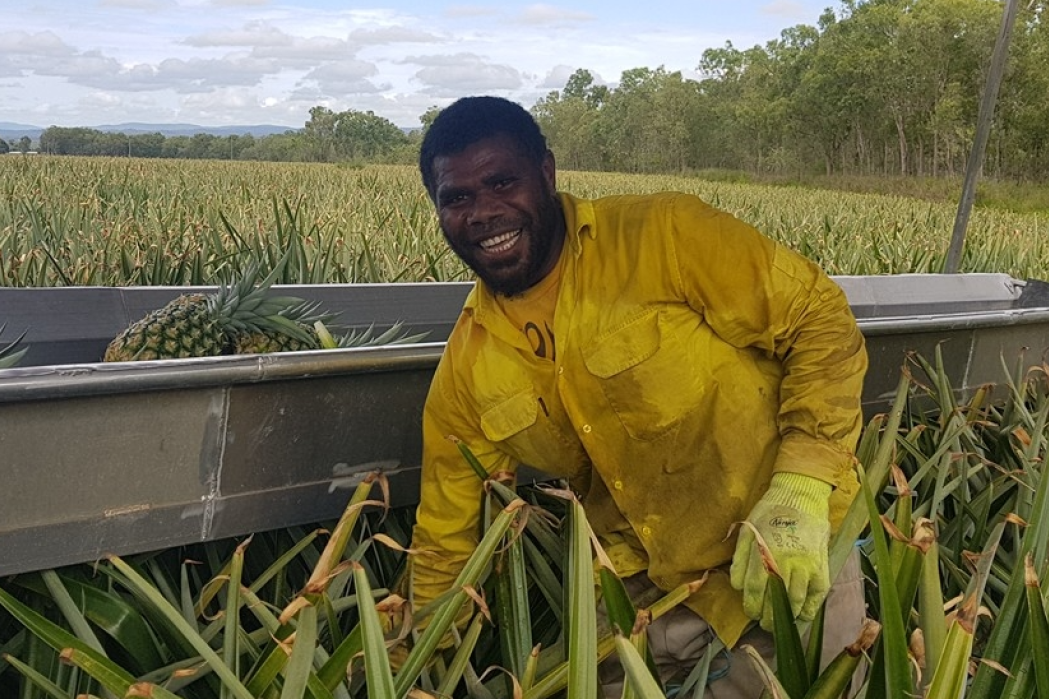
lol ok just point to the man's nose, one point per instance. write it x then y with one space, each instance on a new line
485 207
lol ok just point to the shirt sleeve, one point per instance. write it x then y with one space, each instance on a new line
448 521
754 292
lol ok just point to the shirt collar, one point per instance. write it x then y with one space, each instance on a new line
579 222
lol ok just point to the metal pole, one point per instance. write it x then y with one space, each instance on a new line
983 130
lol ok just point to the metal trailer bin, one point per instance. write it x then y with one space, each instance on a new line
128 457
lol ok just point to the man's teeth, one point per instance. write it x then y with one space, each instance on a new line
500 243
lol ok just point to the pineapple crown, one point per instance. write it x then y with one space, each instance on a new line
243 304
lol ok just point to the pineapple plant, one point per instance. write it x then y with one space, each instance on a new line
9 353
238 317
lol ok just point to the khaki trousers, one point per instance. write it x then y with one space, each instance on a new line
679 638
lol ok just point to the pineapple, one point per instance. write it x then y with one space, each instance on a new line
203 325
297 334
8 355
257 342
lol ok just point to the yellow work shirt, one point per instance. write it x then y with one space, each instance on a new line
695 358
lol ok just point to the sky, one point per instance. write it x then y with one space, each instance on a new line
239 62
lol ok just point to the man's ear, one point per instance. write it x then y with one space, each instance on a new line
549 169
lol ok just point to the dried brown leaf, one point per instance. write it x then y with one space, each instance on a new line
479 600
916 646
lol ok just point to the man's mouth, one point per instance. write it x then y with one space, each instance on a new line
500 243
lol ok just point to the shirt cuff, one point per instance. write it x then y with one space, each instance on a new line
817 458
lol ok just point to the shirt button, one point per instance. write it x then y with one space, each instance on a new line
560 370
646 531
618 484
587 429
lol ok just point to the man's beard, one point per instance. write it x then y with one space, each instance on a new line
543 234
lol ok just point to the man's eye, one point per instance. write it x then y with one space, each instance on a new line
504 183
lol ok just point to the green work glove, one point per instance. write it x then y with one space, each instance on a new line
793 519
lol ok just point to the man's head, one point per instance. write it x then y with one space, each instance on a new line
491 178
472 119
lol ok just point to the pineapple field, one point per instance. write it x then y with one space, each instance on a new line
71 221
952 473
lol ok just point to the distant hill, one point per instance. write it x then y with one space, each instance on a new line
11 131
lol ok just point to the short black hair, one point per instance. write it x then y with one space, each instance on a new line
471 119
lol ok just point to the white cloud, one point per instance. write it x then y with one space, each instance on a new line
257 33
19 44
549 14
557 76
393 35
789 9
343 78
463 73
465 11
149 5
239 3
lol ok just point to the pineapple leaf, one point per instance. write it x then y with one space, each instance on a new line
9 355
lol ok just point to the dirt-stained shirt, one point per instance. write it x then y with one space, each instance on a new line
695 358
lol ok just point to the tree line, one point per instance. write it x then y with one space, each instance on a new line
327 137
877 87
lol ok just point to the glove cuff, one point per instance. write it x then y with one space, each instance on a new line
803 493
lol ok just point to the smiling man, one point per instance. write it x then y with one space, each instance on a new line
680 370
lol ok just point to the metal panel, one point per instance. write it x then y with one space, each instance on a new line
136 458
901 295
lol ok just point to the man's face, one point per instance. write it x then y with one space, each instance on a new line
499 213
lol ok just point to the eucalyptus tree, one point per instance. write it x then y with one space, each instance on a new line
1023 102
570 120
349 134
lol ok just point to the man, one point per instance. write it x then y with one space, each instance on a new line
683 372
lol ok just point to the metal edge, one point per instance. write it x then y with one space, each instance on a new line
93 379
902 325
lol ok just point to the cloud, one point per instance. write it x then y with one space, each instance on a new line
548 14
239 3
202 73
268 41
307 52
392 35
557 77
463 11
183 76
788 9
19 45
149 5
80 68
343 78
221 103
463 73
259 33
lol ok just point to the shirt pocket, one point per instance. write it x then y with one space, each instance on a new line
646 374
517 424
510 416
